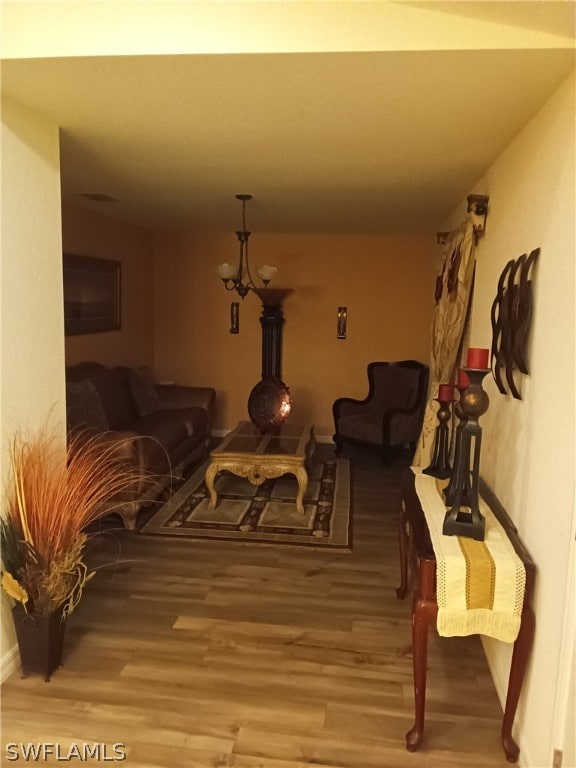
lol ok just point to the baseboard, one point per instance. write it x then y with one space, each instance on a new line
497 668
498 660
9 663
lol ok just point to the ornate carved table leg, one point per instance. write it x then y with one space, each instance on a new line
520 656
129 512
302 477
209 477
310 448
424 614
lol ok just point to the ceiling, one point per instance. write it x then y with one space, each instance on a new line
355 141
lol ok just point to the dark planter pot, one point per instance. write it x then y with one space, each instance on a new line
40 641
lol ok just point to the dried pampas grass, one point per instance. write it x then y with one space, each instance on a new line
53 496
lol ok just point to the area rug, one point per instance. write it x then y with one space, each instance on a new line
265 513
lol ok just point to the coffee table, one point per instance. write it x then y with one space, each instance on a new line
247 453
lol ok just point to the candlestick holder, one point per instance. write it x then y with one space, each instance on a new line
465 518
440 464
450 490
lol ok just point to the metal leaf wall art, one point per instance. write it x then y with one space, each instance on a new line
511 317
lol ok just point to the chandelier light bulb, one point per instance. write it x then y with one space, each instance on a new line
266 272
227 271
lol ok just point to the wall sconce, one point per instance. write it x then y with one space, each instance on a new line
341 326
234 317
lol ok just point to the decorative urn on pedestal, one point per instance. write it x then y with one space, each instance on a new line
269 403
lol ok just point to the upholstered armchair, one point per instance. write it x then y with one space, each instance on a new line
391 414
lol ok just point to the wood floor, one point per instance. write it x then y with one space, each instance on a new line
209 654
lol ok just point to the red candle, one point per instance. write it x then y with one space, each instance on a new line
445 393
477 358
463 380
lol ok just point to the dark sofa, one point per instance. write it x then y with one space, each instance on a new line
164 427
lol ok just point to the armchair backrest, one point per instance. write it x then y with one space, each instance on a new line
398 385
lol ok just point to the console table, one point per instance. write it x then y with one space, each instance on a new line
418 565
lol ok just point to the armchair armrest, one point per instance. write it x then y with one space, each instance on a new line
175 396
390 412
409 421
346 406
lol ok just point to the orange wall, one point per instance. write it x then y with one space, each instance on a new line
90 234
387 283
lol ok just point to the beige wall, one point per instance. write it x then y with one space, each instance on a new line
31 326
91 234
528 455
387 283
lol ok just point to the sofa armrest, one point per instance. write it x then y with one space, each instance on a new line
175 396
126 446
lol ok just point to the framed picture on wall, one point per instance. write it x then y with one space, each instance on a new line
91 294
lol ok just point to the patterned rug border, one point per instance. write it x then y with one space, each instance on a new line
342 508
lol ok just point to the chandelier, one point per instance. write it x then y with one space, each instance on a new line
239 278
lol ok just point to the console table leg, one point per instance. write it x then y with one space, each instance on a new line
520 656
424 613
402 535
420 622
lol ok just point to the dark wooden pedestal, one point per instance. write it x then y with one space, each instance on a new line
418 565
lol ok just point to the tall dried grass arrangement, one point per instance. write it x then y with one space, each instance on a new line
51 499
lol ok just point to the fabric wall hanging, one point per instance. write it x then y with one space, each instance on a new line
453 294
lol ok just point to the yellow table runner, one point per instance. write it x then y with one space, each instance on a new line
479 584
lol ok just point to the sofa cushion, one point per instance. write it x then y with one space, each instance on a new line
143 389
404 428
84 407
361 426
113 389
166 434
172 427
